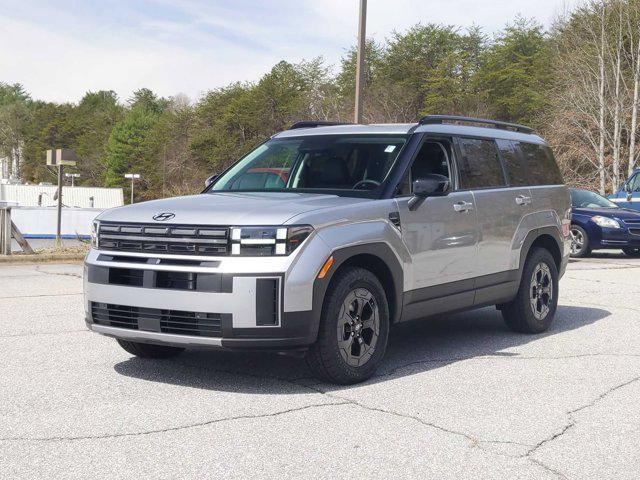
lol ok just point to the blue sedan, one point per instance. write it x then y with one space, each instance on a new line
598 223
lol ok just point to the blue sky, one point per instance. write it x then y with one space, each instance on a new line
60 49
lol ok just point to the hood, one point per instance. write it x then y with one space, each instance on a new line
621 213
263 208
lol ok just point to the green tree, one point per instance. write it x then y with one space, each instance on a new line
128 145
516 74
91 122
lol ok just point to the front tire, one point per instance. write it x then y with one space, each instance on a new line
535 305
579 242
149 350
354 328
633 252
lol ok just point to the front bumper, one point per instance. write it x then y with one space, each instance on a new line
242 303
615 238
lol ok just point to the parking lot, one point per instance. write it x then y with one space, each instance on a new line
457 397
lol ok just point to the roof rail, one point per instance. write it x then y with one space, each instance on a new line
314 124
438 119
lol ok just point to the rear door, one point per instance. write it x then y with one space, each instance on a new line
500 207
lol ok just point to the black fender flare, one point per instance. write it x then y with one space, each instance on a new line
532 236
380 250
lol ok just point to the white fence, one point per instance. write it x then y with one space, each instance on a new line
79 197
41 222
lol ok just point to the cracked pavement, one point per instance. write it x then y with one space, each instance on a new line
456 397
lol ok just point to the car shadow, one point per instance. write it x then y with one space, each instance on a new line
414 347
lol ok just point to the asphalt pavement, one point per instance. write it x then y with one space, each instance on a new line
457 397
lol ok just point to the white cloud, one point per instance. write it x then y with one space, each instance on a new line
58 54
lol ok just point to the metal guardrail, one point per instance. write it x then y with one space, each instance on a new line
5 230
8 230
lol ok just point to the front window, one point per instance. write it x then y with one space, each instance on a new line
587 199
342 164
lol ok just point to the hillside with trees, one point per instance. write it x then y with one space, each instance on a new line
578 84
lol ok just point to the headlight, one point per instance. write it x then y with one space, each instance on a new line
261 241
605 222
95 230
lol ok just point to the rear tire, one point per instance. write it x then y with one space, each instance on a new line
579 242
632 252
149 350
354 328
535 305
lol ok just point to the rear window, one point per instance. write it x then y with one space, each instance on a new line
479 165
539 165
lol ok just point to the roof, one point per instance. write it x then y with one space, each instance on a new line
406 128
380 129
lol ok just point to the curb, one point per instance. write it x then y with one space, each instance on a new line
42 258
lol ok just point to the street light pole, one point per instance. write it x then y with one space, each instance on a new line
73 177
362 43
133 177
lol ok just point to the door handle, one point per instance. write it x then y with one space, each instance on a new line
523 200
463 206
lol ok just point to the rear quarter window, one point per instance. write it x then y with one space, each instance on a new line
538 165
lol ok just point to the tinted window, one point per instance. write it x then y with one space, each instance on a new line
634 183
539 164
587 199
332 162
479 165
433 157
516 170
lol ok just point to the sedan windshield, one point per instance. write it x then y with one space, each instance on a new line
587 199
343 164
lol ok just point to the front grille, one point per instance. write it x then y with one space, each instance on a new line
176 322
114 315
173 239
634 231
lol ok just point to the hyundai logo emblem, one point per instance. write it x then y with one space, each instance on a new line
161 217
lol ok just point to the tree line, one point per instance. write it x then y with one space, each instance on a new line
576 83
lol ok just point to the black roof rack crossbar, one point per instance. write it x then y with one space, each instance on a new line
438 119
314 124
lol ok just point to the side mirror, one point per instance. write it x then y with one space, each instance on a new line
627 188
210 180
431 185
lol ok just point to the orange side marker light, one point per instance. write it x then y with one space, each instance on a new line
325 268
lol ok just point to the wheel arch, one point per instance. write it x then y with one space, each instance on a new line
548 238
379 259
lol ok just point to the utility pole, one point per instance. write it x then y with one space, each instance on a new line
133 177
362 44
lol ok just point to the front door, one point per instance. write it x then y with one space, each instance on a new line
629 195
442 236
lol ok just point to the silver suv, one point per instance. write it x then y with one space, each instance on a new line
326 235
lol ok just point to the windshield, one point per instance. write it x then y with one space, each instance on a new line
587 199
343 164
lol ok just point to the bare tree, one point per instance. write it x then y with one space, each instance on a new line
632 24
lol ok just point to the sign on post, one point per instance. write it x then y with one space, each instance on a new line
61 156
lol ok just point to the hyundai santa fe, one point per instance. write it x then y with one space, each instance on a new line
326 235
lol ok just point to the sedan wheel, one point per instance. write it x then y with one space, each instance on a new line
579 242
